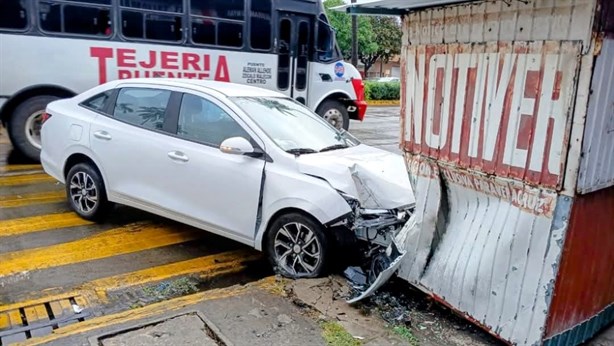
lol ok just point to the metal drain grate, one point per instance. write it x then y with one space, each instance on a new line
26 322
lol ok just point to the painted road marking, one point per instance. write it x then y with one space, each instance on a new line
207 266
21 200
131 238
25 179
40 223
146 311
225 263
20 168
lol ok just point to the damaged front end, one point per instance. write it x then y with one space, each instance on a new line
376 186
380 234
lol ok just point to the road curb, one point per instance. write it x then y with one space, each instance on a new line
389 103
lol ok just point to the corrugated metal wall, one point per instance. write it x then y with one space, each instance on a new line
495 259
597 164
585 283
490 126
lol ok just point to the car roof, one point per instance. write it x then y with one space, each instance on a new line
226 88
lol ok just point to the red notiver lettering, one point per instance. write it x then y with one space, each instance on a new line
501 110
158 64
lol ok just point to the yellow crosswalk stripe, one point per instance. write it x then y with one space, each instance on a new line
18 168
40 223
25 179
131 238
206 266
12 201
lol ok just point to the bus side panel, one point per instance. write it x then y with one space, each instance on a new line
79 64
328 79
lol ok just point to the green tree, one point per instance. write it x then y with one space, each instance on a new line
388 32
342 23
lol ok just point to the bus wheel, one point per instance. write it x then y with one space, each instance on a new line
25 125
335 113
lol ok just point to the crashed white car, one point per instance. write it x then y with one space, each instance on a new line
246 163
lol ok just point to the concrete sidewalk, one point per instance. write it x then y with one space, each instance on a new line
253 314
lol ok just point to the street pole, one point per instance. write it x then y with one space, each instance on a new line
354 40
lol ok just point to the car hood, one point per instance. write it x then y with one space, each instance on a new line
377 178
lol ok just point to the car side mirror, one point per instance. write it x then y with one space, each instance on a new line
236 146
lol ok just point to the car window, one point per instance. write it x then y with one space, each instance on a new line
143 107
203 121
97 102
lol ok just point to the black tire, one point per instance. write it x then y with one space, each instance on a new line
99 209
17 124
321 240
335 106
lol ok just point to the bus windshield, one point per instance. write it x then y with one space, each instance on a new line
327 45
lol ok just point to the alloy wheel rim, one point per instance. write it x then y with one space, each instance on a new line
297 249
83 192
334 117
33 127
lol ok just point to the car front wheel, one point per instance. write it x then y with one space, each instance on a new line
297 246
86 192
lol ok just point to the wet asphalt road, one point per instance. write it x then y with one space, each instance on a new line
381 128
50 258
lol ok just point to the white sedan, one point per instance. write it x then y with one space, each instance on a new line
246 163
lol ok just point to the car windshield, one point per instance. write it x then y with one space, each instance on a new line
292 126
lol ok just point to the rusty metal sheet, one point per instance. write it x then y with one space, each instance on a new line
488 246
585 283
597 162
491 21
502 108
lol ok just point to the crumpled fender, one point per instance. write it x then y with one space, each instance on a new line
377 178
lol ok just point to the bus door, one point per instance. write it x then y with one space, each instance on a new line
294 46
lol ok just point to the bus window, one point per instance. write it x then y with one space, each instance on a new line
86 20
260 24
203 31
75 19
50 17
13 14
155 5
218 22
224 9
132 24
283 54
97 2
230 34
150 25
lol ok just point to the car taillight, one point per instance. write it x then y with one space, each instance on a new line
45 117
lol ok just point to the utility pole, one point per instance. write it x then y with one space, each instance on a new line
354 40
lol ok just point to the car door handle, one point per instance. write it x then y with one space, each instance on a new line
102 135
178 156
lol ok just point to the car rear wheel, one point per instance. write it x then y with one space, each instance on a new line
335 113
25 125
297 246
86 192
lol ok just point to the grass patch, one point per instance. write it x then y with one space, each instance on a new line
170 289
406 334
335 335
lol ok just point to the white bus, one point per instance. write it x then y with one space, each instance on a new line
52 49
